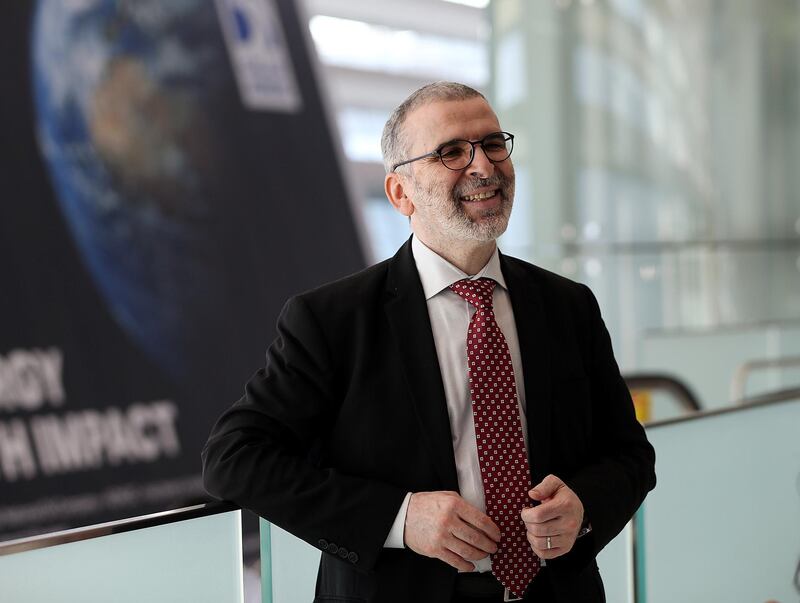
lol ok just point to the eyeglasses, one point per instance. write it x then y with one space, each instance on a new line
458 154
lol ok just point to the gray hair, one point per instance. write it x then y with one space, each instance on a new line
394 143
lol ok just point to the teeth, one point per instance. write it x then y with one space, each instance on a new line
480 196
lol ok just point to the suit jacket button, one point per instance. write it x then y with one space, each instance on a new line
352 557
343 552
332 548
323 544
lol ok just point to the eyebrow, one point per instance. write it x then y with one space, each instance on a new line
467 139
449 141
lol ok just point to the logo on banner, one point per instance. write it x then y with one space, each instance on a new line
257 48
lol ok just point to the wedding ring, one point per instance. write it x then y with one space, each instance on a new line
549 543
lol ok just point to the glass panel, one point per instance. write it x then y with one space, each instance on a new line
616 567
193 560
725 517
291 565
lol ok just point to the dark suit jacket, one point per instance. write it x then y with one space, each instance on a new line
349 414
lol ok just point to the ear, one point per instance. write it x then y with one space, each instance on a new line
396 193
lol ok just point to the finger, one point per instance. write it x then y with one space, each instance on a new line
548 553
565 512
542 530
559 545
546 488
548 511
539 547
568 525
475 538
464 550
541 542
453 560
479 520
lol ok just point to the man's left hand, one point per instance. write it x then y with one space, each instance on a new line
559 517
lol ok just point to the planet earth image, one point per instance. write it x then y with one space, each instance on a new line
131 100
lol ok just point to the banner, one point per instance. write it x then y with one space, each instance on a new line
168 178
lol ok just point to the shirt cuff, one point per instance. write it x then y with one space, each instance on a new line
395 538
483 565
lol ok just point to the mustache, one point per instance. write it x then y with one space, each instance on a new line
466 188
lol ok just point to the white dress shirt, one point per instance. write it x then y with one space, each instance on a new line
450 316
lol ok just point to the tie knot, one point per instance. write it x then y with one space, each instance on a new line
477 292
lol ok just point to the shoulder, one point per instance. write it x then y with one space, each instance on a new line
342 299
563 300
546 282
364 283
359 296
366 287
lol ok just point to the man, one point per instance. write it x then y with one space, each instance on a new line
450 424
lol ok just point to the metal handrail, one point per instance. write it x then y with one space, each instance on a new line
743 372
114 527
781 395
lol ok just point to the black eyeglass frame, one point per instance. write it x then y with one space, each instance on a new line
473 143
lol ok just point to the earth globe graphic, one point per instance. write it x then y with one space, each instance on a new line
127 96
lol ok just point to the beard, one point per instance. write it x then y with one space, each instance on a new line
446 209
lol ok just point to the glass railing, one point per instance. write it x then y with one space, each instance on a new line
288 566
723 524
192 554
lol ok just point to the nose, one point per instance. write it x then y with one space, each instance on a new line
480 167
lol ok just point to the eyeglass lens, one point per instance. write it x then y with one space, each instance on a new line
458 154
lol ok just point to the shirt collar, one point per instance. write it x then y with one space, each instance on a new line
437 274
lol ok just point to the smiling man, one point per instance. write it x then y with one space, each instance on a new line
448 425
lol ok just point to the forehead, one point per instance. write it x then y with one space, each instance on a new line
437 122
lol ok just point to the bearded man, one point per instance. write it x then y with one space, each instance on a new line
448 425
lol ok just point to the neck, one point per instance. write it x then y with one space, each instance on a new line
469 257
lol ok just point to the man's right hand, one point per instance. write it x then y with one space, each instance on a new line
445 526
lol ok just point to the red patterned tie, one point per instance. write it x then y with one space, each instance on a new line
501 445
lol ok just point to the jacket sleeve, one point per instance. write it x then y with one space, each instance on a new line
260 453
613 486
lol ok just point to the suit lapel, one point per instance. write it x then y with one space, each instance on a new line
531 322
407 312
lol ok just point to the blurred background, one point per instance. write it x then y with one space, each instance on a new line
656 154
172 172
